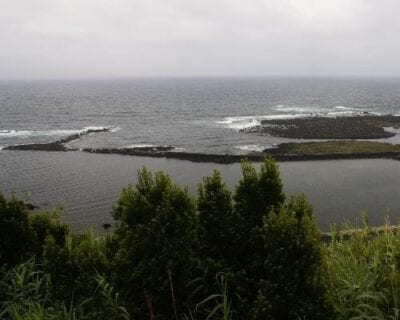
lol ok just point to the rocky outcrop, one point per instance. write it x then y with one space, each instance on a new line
355 127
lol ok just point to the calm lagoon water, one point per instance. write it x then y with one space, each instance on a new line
89 184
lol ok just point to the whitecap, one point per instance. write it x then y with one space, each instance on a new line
138 145
239 122
392 130
29 133
115 129
243 122
54 133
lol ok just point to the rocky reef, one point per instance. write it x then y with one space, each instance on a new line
58 145
367 126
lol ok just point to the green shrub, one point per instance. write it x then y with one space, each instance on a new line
73 265
16 234
292 283
216 230
46 225
258 192
157 245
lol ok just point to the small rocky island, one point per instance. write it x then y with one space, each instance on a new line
367 126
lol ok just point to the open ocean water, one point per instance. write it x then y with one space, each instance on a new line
193 115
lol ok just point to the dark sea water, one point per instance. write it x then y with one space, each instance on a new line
195 115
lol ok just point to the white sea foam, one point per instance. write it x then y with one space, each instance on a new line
52 133
138 145
115 129
242 122
29 133
251 147
391 129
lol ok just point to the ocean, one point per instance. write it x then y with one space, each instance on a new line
192 115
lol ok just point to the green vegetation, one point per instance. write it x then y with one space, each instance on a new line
243 255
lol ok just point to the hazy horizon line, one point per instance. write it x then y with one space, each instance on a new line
198 77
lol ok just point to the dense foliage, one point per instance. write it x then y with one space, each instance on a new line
221 255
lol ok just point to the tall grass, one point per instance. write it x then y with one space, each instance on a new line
217 306
25 294
364 276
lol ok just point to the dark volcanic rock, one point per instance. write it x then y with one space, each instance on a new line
28 205
81 134
106 226
52 146
357 127
193 157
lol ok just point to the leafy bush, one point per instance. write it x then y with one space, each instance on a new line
47 225
16 232
292 283
73 265
258 192
23 234
157 245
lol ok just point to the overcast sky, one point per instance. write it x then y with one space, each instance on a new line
183 38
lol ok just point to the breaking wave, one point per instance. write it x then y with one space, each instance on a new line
49 133
243 122
251 147
291 112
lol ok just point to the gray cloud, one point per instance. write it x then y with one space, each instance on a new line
131 38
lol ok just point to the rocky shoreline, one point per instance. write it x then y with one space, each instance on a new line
321 150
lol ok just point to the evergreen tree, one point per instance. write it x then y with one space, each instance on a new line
215 212
300 207
157 245
258 192
291 283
